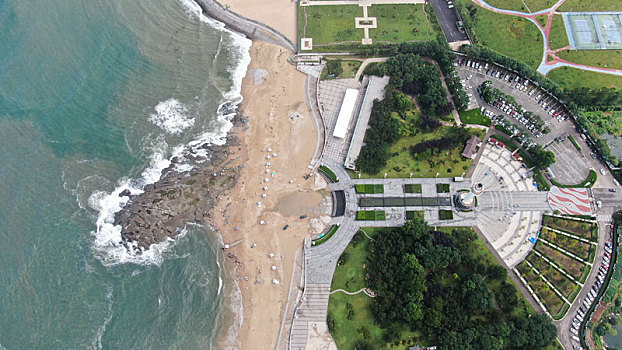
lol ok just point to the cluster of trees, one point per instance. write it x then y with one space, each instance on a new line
423 150
384 131
492 95
334 68
440 52
435 283
600 99
414 76
541 157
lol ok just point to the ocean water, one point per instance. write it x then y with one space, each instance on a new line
95 97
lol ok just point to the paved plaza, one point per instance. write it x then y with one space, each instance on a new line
570 167
330 96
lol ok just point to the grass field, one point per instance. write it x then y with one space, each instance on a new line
474 116
571 78
449 163
595 58
335 24
532 5
398 23
557 36
509 35
330 24
442 188
349 275
592 5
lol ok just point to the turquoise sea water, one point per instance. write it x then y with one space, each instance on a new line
95 97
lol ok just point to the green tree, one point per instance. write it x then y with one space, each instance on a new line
542 158
476 294
334 68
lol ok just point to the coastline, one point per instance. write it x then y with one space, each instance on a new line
276 119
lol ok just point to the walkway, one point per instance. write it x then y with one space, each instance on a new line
247 27
362 290
547 64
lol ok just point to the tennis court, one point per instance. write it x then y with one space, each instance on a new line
594 30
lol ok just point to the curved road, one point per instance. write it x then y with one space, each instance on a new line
546 65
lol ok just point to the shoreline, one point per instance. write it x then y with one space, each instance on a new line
278 126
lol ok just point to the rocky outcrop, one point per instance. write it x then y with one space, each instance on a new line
165 207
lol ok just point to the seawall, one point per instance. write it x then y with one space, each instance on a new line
245 26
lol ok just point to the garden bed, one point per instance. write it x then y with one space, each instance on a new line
574 267
574 246
331 231
553 303
413 214
329 173
445 215
561 282
442 188
370 215
578 228
412 188
369 188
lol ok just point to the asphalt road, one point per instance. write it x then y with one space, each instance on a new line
447 18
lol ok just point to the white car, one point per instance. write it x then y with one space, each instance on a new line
602 171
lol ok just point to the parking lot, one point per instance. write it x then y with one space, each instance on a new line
535 100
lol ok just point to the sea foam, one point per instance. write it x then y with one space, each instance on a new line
171 117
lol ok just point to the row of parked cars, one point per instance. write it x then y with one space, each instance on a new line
527 122
591 295
546 101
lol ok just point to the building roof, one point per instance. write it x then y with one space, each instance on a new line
471 147
345 113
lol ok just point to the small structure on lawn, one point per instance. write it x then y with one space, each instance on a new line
472 146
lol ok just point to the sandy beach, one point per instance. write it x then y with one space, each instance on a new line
277 125
278 14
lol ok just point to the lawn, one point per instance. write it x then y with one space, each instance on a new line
329 173
445 215
398 23
350 322
575 268
330 24
574 246
582 229
412 214
349 70
594 58
557 36
474 116
509 35
369 188
370 215
571 78
532 5
574 143
449 163
442 188
326 236
412 188
592 5
567 287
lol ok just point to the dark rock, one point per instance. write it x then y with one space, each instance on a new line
125 193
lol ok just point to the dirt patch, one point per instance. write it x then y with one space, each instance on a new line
298 203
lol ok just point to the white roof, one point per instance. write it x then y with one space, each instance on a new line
345 113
